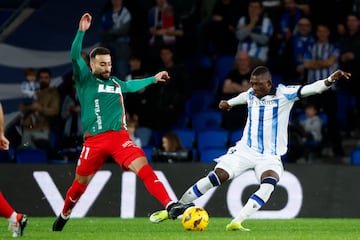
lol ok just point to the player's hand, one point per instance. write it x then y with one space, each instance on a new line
4 143
224 105
337 75
85 22
162 76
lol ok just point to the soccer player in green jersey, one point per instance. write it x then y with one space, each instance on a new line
104 123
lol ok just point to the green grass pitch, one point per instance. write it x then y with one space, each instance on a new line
140 228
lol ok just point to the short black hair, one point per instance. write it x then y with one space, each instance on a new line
43 70
259 70
99 51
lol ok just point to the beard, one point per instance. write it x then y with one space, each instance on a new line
103 76
43 85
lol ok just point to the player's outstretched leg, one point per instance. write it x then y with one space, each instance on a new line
176 209
59 223
172 212
200 187
254 203
72 197
194 192
236 226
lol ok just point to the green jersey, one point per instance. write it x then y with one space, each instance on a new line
102 105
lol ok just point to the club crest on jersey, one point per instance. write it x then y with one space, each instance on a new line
109 89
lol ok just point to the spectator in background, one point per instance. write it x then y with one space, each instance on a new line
132 125
36 127
136 69
334 16
164 29
305 136
73 131
169 98
312 123
115 35
29 86
138 104
349 60
221 27
172 150
68 78
312 126
254 32
320 60
238 79
292 57
236 82
290 16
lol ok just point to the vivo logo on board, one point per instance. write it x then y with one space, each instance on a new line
127 204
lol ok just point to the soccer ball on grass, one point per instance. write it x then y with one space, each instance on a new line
195 219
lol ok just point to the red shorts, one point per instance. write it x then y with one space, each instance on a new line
98 148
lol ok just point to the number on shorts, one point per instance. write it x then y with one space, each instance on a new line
85 152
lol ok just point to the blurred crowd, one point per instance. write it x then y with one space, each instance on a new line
209 46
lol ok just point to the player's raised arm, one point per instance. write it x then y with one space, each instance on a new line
85 22
162 76
336 76
323 84
228 104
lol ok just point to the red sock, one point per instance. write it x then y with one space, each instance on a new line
72 196
153 185
5 209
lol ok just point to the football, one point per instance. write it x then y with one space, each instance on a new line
195 219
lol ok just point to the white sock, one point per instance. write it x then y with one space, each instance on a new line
196 190
250 207
64 217
262 194
12 218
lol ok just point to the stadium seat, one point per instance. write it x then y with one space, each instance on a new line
30 155
223 65
209 154
187 137
206 119
145 135
204 61
355 156
212 138
199 101
148 152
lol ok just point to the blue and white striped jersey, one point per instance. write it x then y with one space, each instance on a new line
266 129
321 51
256 42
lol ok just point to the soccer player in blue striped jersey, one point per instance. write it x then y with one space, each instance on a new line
263 143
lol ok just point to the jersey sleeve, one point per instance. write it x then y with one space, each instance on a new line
239 99
79 65
136 85
291 92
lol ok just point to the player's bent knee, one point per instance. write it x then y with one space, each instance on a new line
263 194
214 179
